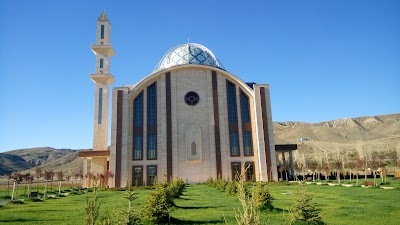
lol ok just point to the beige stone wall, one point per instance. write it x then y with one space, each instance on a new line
271 134
197 120
100 131
192 124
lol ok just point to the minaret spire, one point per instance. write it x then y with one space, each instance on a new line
102 79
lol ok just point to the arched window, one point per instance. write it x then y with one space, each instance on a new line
194 151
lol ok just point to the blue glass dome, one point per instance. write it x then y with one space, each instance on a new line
189 53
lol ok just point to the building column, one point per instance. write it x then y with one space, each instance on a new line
84 171
291 162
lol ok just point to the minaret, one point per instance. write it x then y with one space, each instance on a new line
102 79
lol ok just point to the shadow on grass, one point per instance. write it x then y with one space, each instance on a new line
17 220
276 209
178 221
195 207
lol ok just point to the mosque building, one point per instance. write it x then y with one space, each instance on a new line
189 118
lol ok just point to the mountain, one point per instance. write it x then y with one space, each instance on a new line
45 157
10 163
346 136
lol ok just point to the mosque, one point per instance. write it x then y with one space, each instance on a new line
189 118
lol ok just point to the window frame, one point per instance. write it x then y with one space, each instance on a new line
250 145
235 173
231 142
152 104
148 147
150 181
102 31
100 107
246 164
135 145
140 183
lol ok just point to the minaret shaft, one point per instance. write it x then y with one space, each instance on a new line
102 79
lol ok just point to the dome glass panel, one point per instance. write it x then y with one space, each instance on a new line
190 53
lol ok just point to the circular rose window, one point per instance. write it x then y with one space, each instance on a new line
192 98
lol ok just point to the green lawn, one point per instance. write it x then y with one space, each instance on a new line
201 204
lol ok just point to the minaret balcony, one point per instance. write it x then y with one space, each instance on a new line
106 50
105 79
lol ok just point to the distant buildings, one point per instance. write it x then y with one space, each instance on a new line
189 118
303 139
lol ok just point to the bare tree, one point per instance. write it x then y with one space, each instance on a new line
281 169
9 177
109 174
375 164
359 164
338 168
17 177
327 170
297 169
60 177
351 166
76 176
48 175
39 174
81 176
313 167
29 178
68 177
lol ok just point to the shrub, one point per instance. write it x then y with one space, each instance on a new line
210 181
231 187
249 215
261 196
176 187
92 206
220 184
157 206
303 211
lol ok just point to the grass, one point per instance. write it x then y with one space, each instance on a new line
201 204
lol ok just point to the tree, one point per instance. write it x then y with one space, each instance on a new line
109 174
359 164
76 176
375 164
313 166
338 168
60 177
17 177
319 169
297 169
39 174
68 177
281 169
351 166
28 179
48 175
303 210
327 170
9 177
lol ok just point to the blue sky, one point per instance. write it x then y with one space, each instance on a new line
324 60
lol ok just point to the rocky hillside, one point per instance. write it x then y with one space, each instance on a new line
343 136
46 157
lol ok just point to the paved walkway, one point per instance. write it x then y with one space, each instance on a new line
3 202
